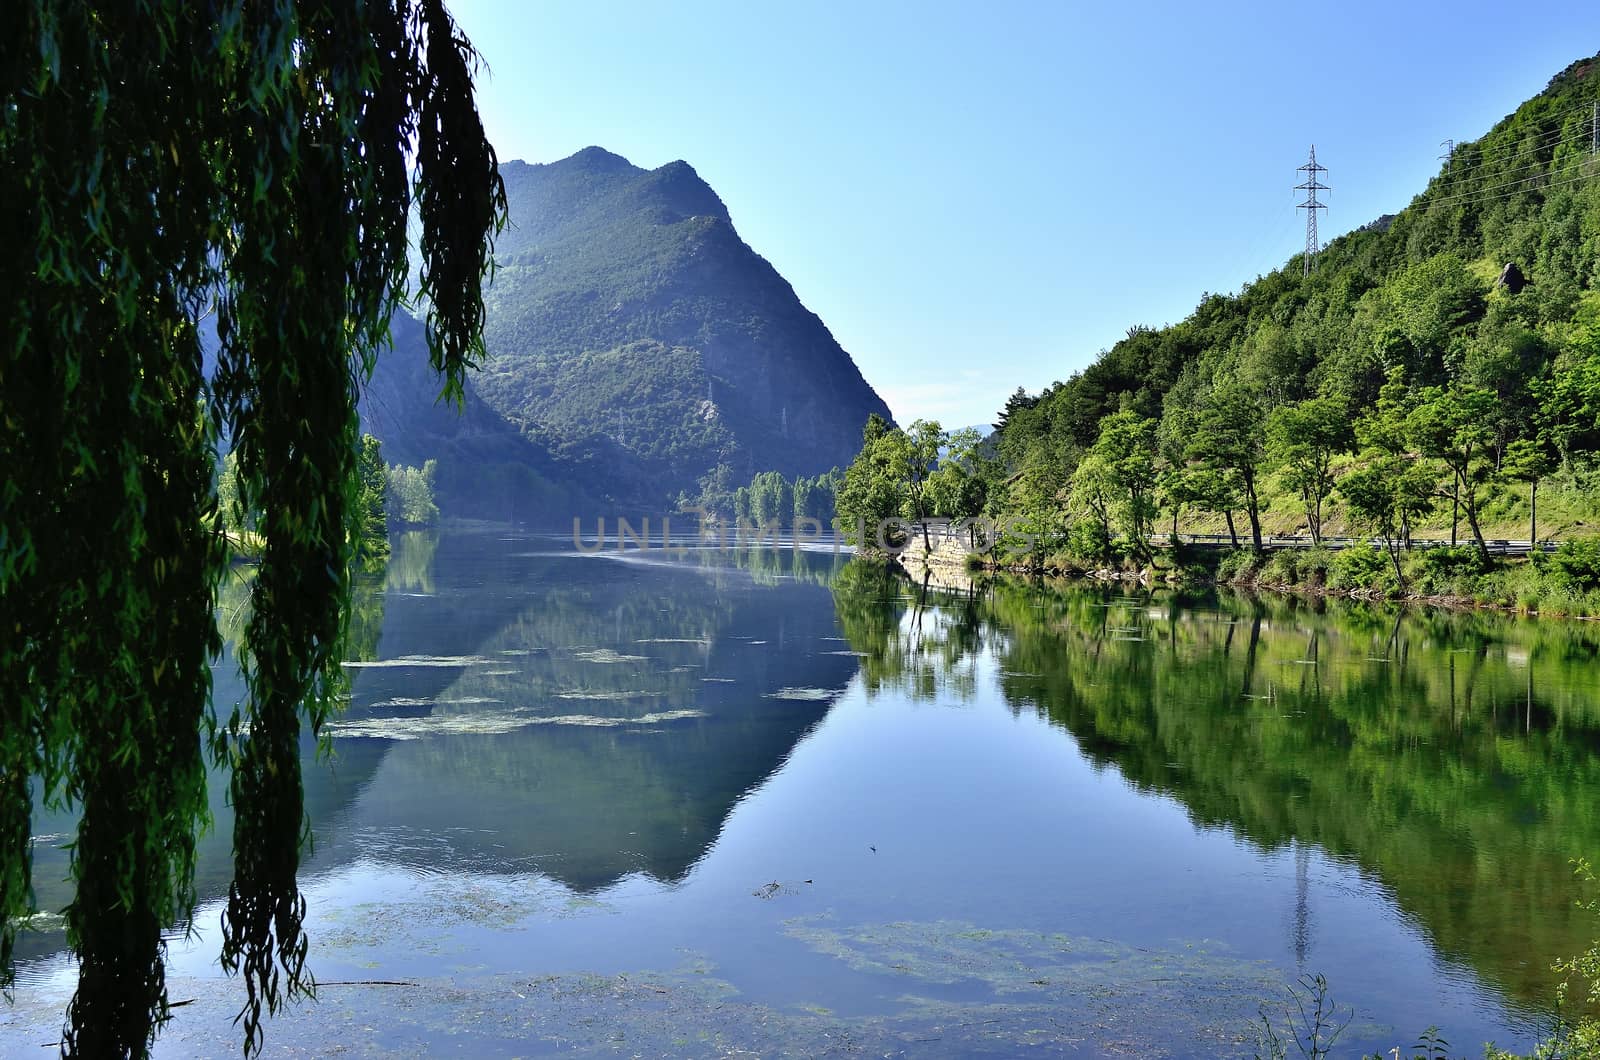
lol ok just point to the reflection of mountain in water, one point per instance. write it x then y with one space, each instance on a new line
682 684
581 717
1454 757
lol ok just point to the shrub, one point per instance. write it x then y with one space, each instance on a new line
1450 562
1315 565
1238 565
1578 561
1281 568
1088 542
1361 568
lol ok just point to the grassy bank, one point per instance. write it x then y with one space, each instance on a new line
1563 584
1566 583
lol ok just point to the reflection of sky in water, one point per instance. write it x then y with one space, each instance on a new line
952 817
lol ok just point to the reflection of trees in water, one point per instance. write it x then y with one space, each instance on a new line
912 637
410 566
233 613
1452 755
770 564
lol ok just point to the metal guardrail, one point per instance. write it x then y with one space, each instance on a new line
941 529
1497 547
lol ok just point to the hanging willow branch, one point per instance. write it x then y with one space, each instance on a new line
158 161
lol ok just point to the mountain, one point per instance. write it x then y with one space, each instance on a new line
633 331
635 343
489 466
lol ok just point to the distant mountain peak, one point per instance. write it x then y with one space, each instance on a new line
598 158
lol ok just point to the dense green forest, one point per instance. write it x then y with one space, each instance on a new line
1435 373
768 499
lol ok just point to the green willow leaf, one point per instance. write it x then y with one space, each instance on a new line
266 156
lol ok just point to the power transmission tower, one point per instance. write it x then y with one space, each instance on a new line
1311 205
1449 153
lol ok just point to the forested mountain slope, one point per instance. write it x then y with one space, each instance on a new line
1508 372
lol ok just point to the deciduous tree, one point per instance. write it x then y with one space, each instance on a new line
1303 441
1230 436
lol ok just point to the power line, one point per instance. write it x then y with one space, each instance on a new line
1481 194
1469 199
1499 149
1311 205
1471 153
1459 168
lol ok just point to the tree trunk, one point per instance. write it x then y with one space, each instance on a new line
1472 521
1455 508
1233 534
1255 513
922 518
1533 515
1250 653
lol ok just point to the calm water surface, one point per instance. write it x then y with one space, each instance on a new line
698 803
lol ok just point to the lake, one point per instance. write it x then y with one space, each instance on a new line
719 800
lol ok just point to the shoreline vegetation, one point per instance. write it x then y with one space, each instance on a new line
1562 584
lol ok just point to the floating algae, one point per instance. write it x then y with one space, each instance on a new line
808 694
606 655
489 723
1053 995
601 721
1036 988
419 661
478 722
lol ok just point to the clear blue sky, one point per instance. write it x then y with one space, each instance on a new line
980 196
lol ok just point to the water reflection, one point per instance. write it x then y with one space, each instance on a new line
891 808
1451 755
515 707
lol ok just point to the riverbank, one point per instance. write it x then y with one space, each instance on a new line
1564 584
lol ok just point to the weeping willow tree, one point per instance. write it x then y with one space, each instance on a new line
165 167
